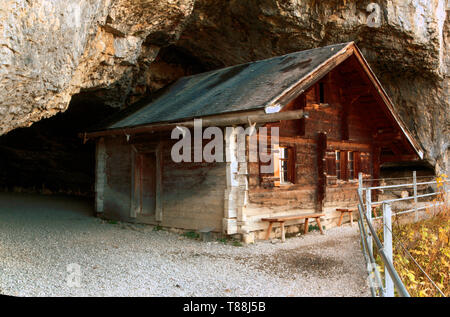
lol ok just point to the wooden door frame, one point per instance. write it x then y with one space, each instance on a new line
135 197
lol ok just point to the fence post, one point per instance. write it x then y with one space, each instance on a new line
369 216
360 183
387 246
416 212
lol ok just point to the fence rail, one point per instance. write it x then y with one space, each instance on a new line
369 235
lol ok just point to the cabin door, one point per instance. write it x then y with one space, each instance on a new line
146 179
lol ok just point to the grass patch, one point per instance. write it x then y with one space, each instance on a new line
315 228
191 235
236 243
223 240
157 228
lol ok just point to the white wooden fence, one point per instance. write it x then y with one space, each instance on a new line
369 235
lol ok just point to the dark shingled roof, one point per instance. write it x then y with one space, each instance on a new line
249 86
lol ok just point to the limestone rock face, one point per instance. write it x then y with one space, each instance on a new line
52 49
124 49
407 46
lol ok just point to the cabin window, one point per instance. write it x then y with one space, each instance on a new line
284 165
350 165
321 92
338 164
345 165
284 160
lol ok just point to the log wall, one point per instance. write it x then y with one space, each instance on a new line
340 121
191 195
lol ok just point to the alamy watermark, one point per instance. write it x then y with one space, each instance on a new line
74 276
191 149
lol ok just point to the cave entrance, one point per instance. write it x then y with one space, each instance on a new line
405 170
49 157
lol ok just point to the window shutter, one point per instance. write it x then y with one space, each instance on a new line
276 164
331 163
344 165
291 164
276 160
365 163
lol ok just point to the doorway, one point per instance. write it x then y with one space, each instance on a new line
145 185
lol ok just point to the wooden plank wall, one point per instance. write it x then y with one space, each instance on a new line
192 193
266 200
118 179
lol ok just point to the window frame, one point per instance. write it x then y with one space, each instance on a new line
282 152
337 158
279 171
350 165
346 165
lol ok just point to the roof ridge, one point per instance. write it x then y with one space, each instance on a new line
267 59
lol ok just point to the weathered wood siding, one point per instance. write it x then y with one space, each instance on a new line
118 179
346 129
192 194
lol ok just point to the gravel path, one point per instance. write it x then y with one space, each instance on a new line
40 236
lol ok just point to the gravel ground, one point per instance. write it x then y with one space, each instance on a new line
40 236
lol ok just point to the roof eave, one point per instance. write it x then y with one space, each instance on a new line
388 102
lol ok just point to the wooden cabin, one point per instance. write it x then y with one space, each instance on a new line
335 120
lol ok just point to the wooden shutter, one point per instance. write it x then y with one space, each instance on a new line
344 165
291 164
331 163
365 163
276 164
321 172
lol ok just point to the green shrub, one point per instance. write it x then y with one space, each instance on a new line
191 235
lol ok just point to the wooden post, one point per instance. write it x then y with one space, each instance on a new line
320 225
416 214
230 225
321 163
360 183
269 230
387 246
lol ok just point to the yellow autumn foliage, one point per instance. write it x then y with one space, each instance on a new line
428 242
